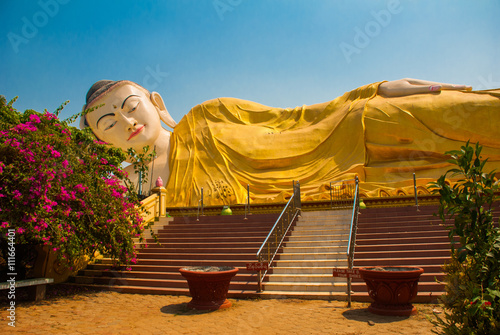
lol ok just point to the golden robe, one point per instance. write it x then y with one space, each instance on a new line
224 144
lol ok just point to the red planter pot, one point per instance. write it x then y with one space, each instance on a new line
392 288
208 288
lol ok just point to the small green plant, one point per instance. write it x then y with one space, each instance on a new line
140 161
472 299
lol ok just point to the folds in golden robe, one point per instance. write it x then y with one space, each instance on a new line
224 144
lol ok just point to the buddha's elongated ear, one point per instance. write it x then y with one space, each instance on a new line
157 101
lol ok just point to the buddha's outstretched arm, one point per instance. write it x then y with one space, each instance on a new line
408 86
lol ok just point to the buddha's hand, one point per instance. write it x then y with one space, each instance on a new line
408 86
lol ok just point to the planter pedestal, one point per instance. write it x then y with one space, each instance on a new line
207 287
392 288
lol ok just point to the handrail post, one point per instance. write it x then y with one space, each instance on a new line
248 198
202 214
259 281
415 191
247 205
198 212
331 196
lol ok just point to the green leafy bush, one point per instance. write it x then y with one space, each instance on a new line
62 188
472 299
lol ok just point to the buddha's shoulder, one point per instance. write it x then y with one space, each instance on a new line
228 104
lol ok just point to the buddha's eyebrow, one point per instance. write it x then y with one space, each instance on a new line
109 114
132 95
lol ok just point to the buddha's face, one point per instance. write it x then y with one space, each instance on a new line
128 119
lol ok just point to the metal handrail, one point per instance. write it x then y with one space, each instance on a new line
339 193
198 213
415 191
354 222
200 204
352 238
247 203
279 231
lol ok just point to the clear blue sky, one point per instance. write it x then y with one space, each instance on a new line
281 53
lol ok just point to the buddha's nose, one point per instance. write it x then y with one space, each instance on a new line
130 122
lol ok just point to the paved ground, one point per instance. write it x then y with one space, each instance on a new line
94 312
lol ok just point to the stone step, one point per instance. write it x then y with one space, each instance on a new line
204 244
258 239
325 213
400 261
188 262
388 221
426 286
328 278
194 256
226 219
170 283
403 221
236 294
285 256
305 278
326 218
366 240
166 268
209 234
197 250
399 211
242 275
336 287
315 244
185 229
396 247
286 270
311 263
315 249
399 235
339 221
319 231
428 268
403 229
320 238
383 254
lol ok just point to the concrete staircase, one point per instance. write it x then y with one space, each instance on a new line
403 236
317 244
214 240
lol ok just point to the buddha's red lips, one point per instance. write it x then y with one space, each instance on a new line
135 133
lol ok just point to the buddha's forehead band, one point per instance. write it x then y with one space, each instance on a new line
101 89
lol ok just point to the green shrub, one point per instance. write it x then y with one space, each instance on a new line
472 299
62 188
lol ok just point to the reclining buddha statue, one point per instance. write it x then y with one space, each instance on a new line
382 133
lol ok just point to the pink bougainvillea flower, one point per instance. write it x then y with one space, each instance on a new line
34 118
4 225
16 194
49 116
